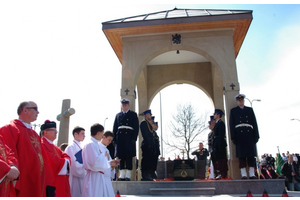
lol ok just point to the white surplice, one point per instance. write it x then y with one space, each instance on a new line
77 171
97 181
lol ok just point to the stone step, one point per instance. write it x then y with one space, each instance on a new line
182 191
256 186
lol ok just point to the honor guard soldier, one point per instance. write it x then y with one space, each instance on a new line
244 134
211 125
126 129
148 146
156 149
211 163
219 145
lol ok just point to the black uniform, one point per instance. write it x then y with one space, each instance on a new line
210 149
126 129
148 149
219 148
244 134
155 155
210 141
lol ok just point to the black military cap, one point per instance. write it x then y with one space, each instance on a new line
124 101
239 96
146 112
219 111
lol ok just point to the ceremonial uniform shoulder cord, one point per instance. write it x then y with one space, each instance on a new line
151 131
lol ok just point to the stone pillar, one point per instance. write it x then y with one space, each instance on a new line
231 90
64 118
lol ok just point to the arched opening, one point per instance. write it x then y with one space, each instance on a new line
164 106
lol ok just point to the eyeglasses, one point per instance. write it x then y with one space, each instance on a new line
34 108
50 129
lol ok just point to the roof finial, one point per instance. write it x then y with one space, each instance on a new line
175 8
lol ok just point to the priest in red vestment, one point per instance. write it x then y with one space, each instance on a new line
59 160
25 143
8 171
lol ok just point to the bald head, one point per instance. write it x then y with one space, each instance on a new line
28 111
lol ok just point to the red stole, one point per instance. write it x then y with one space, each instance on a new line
7 159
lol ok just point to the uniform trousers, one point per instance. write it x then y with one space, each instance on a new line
243 161
147 158
222 166
126 162
154 162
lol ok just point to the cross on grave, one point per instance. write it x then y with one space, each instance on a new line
232 86
126 91
182 153
64 118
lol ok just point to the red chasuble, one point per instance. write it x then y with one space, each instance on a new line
7 159
57 159
26 145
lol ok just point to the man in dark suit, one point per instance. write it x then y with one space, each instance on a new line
126 129
148 146
244 134
219 145
156 149
201 153
210 139
291 173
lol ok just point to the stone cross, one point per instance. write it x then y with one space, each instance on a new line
232 86
126 91
64 118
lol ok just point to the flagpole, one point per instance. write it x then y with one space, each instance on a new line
161 134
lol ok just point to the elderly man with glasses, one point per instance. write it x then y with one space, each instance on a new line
59 160
25 144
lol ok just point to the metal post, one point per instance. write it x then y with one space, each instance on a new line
104 122
161 133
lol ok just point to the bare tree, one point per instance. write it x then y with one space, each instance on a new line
186 128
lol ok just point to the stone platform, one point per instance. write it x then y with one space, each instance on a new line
199 187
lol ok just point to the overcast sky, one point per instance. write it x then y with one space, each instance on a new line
55 50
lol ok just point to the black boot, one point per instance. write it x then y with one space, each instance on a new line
146 176
153 174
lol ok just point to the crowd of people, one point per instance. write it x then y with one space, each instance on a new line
284 166
31 165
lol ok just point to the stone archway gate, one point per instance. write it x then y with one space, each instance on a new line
216 35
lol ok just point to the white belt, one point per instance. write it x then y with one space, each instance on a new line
125 127
244 125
